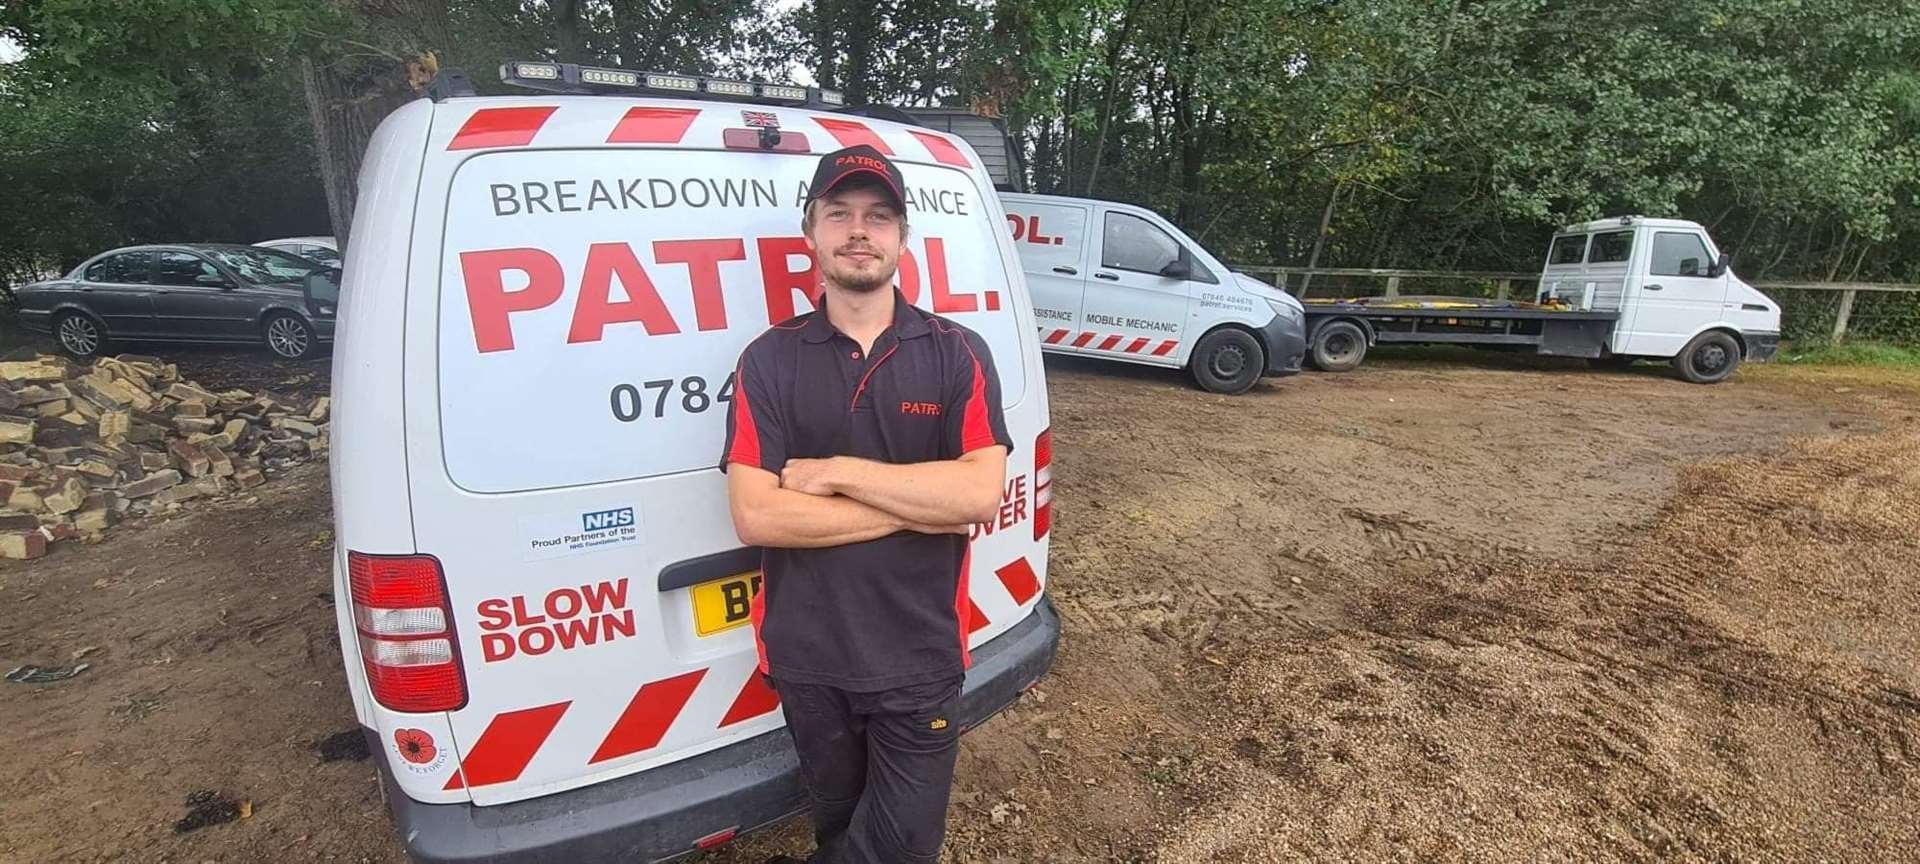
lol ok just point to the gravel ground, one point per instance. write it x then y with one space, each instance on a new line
1482 610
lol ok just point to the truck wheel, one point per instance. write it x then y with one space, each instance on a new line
1227 361
1709 359
1338 347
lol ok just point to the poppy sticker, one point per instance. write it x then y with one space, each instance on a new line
416 748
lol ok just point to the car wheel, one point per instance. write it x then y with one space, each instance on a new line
1710 358
1338 347
1227 361
289 336
80 335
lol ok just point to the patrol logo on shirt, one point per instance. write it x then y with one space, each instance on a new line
922 409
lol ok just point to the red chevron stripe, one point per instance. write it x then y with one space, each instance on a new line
1108 343
1081 340
976 619
1020 580
645 721
1165 348
507 745
1137 344
501 127
653 126
1055 337
849 133
942 150
755 699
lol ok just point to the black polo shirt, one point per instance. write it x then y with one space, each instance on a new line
888 612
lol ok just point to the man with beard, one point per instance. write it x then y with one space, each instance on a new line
864 440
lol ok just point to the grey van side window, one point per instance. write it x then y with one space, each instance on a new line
1133 243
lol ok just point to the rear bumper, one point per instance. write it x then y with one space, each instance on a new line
1761 346
1286 344
660 814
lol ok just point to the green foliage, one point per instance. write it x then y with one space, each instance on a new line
1854 354
1428 134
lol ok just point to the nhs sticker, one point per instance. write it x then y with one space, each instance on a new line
579 532
604 519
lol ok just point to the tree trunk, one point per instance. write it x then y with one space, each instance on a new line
1320 239
347 96
1114 47
861 27
566 30
826 47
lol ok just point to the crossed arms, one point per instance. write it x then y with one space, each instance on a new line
813 503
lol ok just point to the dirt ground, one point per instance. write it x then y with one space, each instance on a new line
1451 610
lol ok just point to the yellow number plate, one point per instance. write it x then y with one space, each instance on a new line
724 604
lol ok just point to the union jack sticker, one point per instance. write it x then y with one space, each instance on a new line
761 119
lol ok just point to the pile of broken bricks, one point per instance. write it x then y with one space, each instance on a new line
82 447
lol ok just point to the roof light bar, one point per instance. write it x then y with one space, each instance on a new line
537 71
729 88
681 83
609 77
569 78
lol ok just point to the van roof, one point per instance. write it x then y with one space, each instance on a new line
549 120
1615 223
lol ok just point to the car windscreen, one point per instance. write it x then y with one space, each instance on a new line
265 266
604 297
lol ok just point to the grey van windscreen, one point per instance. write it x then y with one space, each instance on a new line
593 303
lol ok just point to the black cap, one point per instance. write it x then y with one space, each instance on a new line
854 161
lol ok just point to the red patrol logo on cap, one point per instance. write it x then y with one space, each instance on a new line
862 162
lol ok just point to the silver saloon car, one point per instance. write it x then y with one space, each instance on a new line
198 292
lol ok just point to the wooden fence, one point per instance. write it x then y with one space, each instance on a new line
1283 277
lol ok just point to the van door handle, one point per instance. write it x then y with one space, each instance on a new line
1107 276
1653 288
1066 271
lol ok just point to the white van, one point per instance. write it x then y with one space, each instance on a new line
544 606
1118 282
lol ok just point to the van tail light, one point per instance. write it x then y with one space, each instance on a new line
406 632
1043 483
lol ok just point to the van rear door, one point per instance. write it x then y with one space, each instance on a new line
585 272
1051 237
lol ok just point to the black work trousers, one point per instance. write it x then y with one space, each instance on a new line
877 766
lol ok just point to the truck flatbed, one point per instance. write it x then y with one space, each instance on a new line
1348 326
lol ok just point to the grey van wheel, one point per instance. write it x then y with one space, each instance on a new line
79 335
1227 361
1710 358
1338 346
288 336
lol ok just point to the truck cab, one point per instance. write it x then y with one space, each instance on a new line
1674 290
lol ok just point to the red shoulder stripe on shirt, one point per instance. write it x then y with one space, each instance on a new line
746 436
975 431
